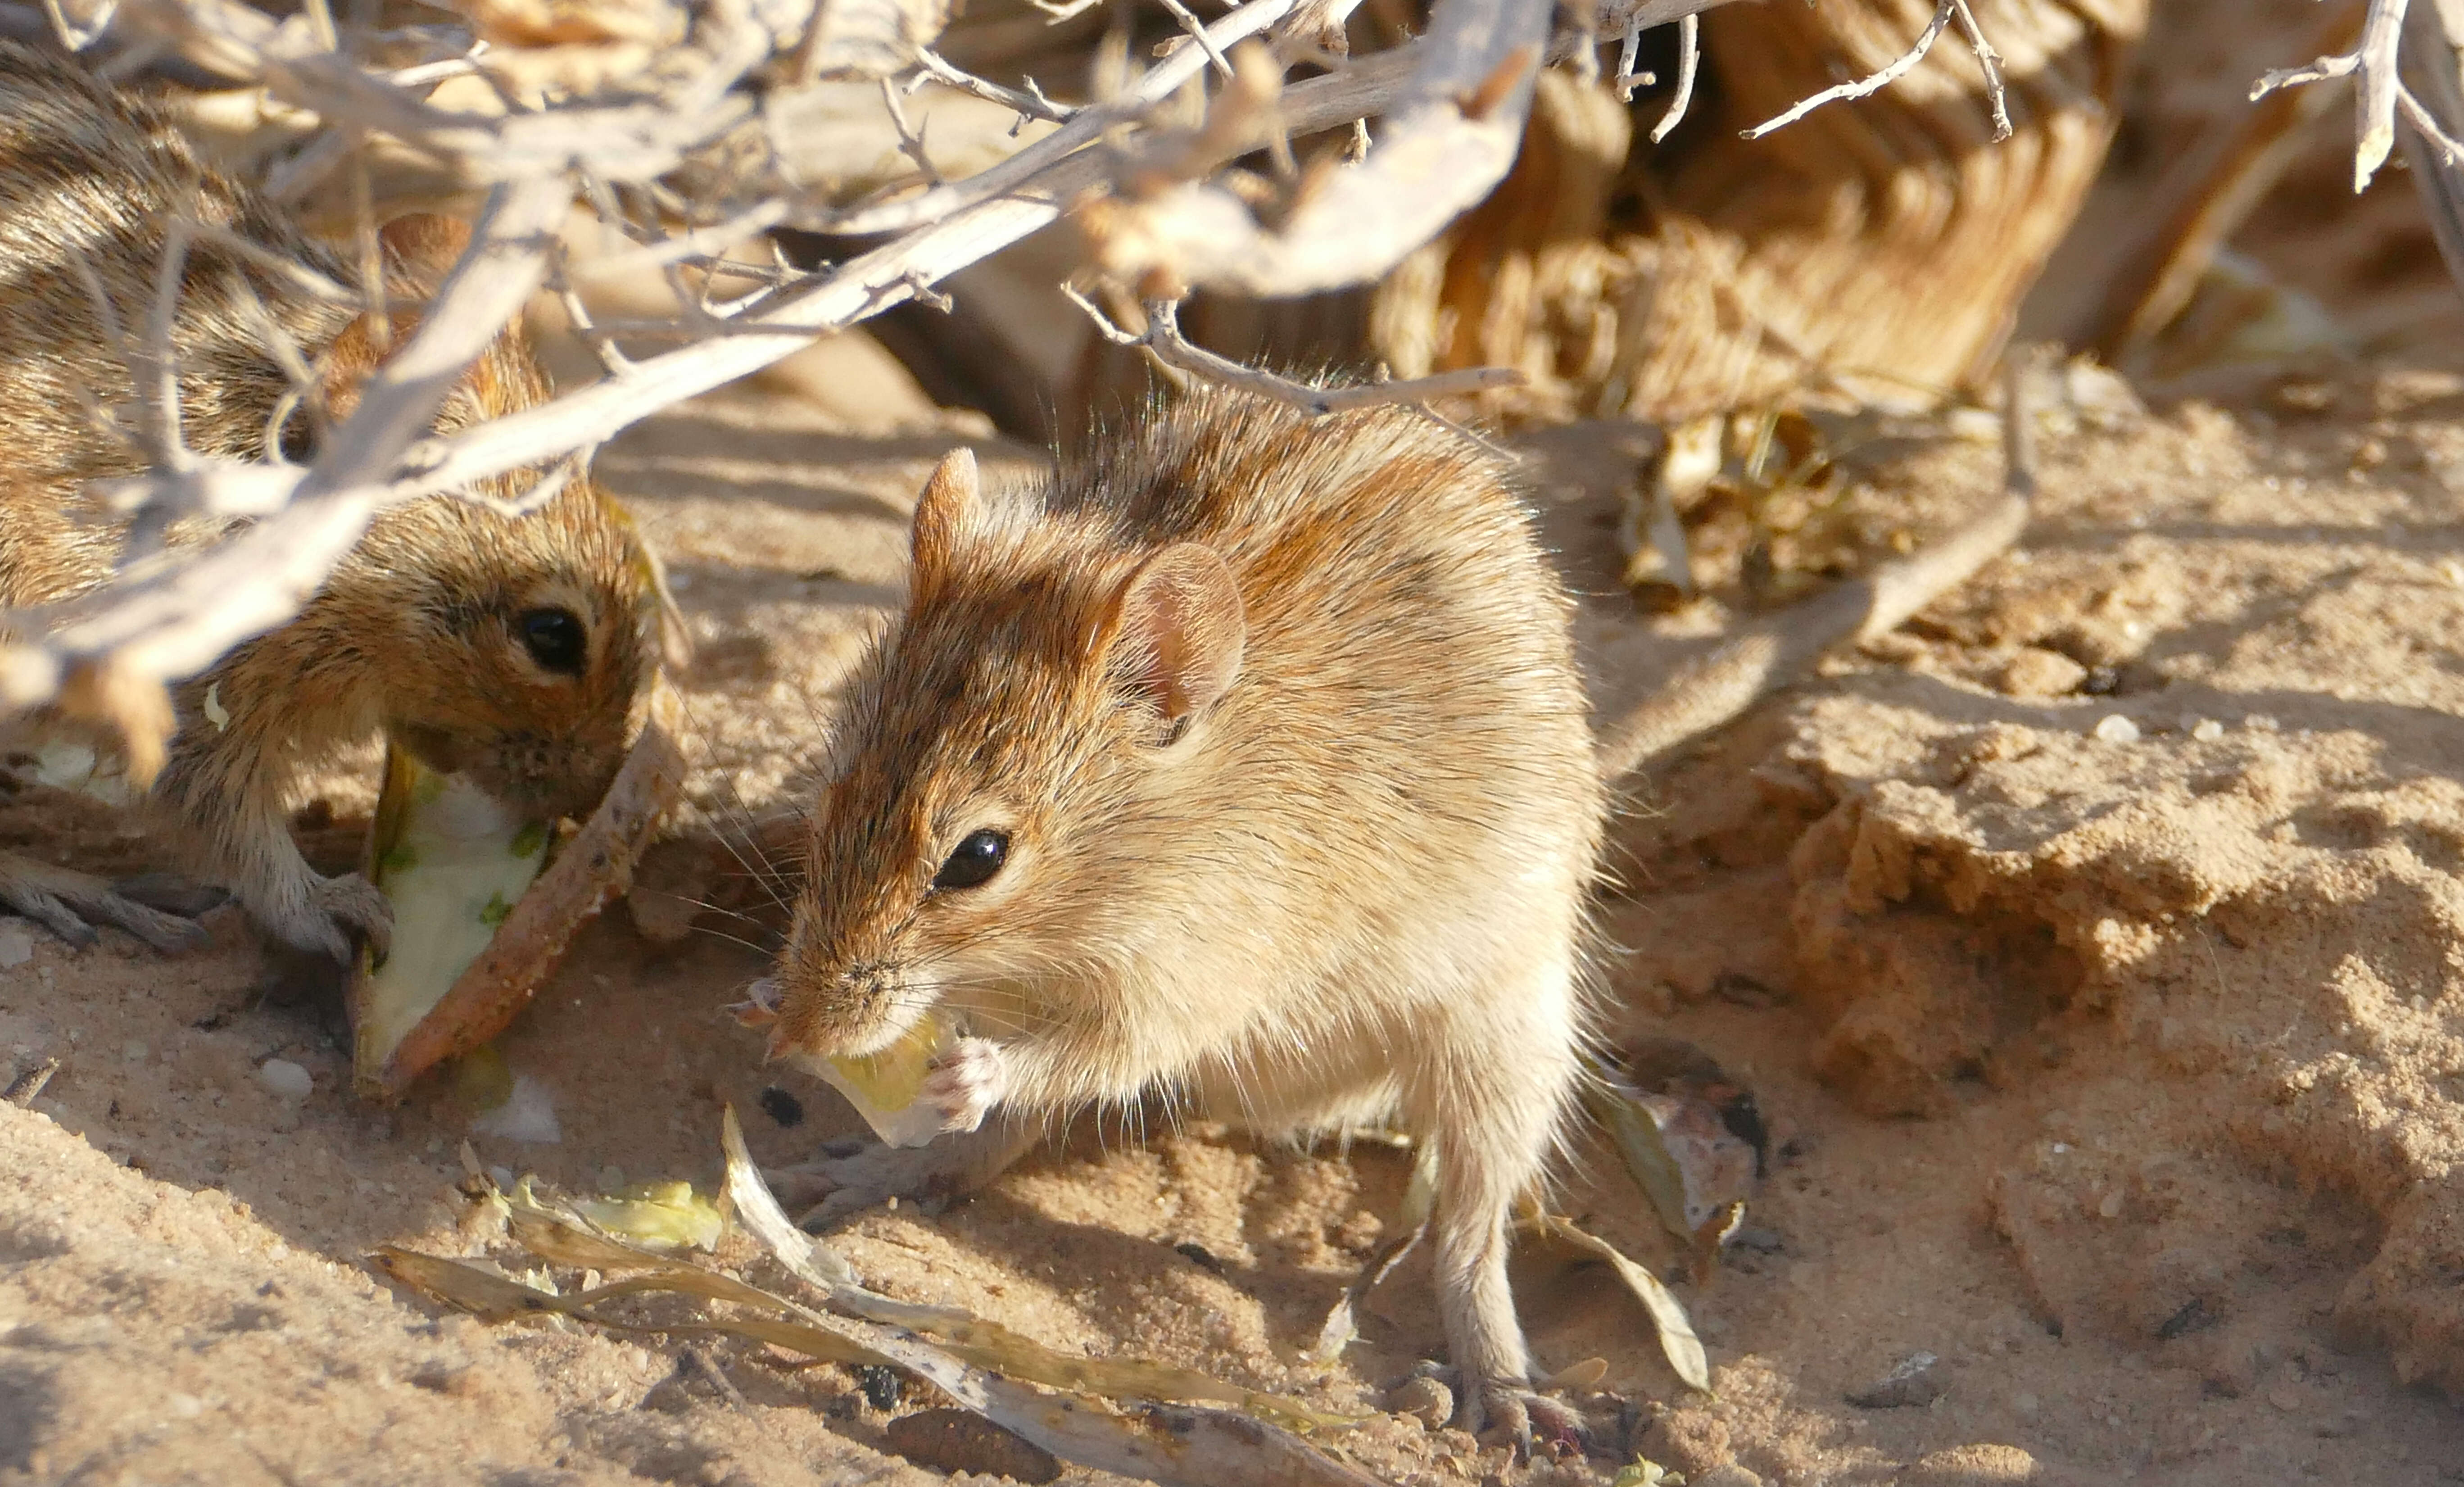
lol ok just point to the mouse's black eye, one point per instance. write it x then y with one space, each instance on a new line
973 862
297 439
555 639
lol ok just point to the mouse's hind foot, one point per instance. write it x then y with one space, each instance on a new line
852 1176
70 905
1510 1413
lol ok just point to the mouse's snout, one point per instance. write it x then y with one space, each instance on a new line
551 774
828 1004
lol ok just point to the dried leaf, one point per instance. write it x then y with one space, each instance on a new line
1677 1339
1176 1446
984 1343
1635 1134
1643 1472
807 1259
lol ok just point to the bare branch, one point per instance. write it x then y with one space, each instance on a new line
2381 93
911 140
2375 103
2324 70
1028 104
159 389
1627 79
1990 63
1865 87
1451 134
1197 34
862 287
1083 128
1689 62
1163 340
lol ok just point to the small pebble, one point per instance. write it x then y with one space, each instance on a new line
286 1080
17 943
1424 1399
1730 1474
2206 730
1913 1383
2114 728
2034 672
879 1386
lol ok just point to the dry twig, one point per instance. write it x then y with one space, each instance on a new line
1162 340
2381 93
1943 14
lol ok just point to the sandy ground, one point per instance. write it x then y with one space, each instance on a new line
2121 1068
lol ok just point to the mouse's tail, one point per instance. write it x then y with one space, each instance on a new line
1774 650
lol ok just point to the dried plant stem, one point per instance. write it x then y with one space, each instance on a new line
2380 94
1163 340
1943 14
1689 62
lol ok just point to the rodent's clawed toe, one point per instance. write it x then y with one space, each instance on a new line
348 907
333 917
70 904
1504 1412
966 1082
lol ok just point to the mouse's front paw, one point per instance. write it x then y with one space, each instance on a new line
965 1084
334 911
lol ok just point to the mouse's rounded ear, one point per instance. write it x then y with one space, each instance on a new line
424 242
1176 633
940 516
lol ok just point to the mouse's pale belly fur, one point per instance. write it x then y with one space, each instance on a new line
1357 881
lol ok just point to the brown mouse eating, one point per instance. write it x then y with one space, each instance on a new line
1244 762
513 649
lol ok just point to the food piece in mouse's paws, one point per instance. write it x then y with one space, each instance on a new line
477 926
451 861
887 1087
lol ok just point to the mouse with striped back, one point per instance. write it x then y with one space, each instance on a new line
1244 764
516 649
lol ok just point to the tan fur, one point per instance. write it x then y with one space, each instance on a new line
414 633
1283 720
